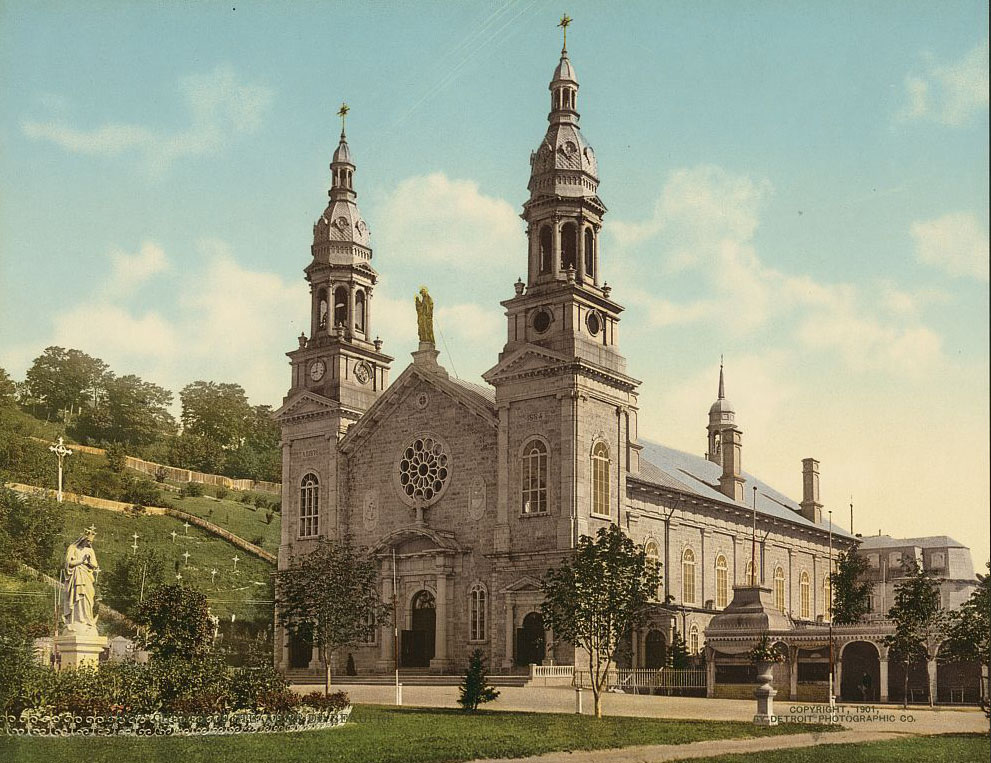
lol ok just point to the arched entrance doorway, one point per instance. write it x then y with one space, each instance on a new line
418 641
530 640
957 682
918 681
860 679
623 658
655 650
300 649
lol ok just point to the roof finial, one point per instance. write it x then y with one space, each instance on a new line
722 388
563 23
343 114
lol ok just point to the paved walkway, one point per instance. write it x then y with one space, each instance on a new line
884 722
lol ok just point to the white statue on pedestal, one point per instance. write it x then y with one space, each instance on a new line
79 589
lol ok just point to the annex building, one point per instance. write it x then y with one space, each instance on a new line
476 489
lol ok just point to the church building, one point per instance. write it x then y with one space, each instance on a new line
468 493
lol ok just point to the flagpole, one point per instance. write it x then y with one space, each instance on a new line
753 545
829 604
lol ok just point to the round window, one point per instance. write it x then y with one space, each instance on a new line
593 323
541 321
423 471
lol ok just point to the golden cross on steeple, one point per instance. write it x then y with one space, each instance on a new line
343 114
563 23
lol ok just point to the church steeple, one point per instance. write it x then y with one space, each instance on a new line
721 417
342 357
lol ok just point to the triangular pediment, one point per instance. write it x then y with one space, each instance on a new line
400 389
525 360
525 584
304 405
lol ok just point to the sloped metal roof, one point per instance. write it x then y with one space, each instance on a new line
929 541
676 470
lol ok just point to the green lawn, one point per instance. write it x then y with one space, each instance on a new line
228 592
246 522
397 735
951 748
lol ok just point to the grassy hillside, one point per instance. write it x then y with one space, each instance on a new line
245 521
229 591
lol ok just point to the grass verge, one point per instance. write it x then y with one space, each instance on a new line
399 735
948 748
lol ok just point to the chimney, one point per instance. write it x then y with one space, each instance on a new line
811 508
731 481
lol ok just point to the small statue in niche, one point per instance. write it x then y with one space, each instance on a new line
424 316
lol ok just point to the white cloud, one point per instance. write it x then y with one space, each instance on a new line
219 105
704 222
950 94
956 242
132 270
434 218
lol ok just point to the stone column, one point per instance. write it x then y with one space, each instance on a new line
351 324
510 621
581 251
838 674
710 672
556 249
883 680
793 674
315 662
368 315
440 661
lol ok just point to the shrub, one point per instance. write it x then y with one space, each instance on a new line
191 490
318 701
222 492
248 685
245 498
279 701
178 622
116 457
258 540
269 516
160 474
142 493
261 502
277 505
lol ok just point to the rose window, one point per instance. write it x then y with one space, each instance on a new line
423 470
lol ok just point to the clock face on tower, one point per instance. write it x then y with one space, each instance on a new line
362 372
317 369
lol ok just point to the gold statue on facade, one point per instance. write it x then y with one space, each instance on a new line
424 316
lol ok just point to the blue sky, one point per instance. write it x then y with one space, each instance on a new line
801 187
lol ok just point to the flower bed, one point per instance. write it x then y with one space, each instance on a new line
43 724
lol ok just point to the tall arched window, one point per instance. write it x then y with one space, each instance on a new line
653 561
546 244
589 254
749 577
722 582
688 576
476 613
323 310
309 506
827 598
340 306
600 479
534 472
359 311
569 246
805 595
779 589
694 642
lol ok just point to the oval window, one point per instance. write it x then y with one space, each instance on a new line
593 323
541 321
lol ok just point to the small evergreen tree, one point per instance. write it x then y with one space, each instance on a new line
678 657
851 589
474 688
178 622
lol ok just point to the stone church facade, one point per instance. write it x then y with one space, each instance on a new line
468 493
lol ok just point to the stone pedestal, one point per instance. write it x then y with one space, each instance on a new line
425 358
77 649
765 696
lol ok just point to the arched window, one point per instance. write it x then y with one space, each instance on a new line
749 577
688 576
779 589
600 479
309 506
476 613
546 246
694 642
589 254
534 474
569 246
323 311
827 598
359 311
805 595
722 582
340 306
653 561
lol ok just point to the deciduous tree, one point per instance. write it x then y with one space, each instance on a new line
851 589
218 412
920 621
61 380
178 622
969 634
332 595
131 411
598 596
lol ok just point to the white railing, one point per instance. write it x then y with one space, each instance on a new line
552 671
647 679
